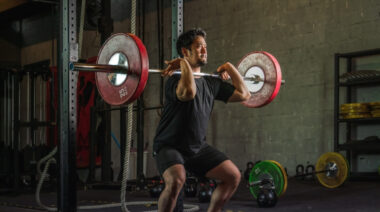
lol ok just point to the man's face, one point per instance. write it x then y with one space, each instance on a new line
197 55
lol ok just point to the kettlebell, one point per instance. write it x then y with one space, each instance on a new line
261 199
205 193
300 171
309 172
272 198
266 198
190 190
156 190
248 170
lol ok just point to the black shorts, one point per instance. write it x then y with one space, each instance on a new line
199 164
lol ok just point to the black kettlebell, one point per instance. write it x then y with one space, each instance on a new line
272 198
205 193
190 190
156 190
309 172
266 198
300 171
248 170
261 199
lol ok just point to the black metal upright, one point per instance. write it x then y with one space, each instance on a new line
336 102
106 28
91 173
349 125
106 151
140 115
16 130
66 197
32 106
140 141
123 139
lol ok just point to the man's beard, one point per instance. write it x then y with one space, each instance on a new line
201 62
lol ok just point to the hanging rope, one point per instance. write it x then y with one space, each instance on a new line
129 129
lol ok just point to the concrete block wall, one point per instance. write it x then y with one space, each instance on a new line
297 127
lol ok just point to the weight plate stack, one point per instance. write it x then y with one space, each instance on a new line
284 174
375 109
355 111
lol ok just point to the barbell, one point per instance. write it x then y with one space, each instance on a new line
331 169
122 69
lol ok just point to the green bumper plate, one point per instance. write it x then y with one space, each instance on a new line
264 170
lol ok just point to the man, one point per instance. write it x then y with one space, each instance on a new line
179 144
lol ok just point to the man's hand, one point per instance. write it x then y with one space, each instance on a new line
241 93
173 65
224 70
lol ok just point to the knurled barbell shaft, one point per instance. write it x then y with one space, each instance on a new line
88 67
178 72
255 79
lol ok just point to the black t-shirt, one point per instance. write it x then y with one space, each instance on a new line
183 125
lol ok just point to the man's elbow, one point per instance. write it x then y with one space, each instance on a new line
190 95
186 96
245 96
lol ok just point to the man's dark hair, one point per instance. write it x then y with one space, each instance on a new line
186 39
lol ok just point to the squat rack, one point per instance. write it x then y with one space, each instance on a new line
67 86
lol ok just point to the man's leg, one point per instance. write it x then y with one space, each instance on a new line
229 175
174 177
179 204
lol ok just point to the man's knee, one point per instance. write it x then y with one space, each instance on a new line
175 183
235 179
232 179
175 187
227 173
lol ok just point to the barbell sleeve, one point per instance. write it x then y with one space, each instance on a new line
88 67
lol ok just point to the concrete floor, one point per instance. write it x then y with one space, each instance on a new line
353 196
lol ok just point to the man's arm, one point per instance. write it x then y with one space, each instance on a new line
186 88
241 92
